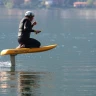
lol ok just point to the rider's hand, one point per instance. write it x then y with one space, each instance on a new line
37 31
34 23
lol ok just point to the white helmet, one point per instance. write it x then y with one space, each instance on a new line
29 14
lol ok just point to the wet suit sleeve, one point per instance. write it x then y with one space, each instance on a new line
28 27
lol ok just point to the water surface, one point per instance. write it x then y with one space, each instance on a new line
67 70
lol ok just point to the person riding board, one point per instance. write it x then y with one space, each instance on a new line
25 29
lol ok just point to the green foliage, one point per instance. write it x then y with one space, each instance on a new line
90 2
8 3
33 4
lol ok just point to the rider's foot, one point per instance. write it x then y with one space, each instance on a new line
21 46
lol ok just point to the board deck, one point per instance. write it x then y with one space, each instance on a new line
27 50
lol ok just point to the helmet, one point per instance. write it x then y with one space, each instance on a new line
29 14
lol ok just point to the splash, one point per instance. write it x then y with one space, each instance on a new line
5 64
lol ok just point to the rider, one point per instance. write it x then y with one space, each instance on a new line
25 28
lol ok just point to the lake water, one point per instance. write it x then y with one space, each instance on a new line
67 70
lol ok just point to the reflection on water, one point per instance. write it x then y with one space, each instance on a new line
60 13
21 83
16 83
28 83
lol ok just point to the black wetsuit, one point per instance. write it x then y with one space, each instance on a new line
25 29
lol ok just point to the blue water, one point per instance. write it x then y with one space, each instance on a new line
67 70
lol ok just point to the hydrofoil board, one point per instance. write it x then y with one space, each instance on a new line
16 51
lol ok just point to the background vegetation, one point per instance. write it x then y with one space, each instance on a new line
41 3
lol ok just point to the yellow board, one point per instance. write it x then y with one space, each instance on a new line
26 50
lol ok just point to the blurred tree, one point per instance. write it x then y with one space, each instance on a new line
30 4
90 2
12 3
8 3
69 2
72 1
18 2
